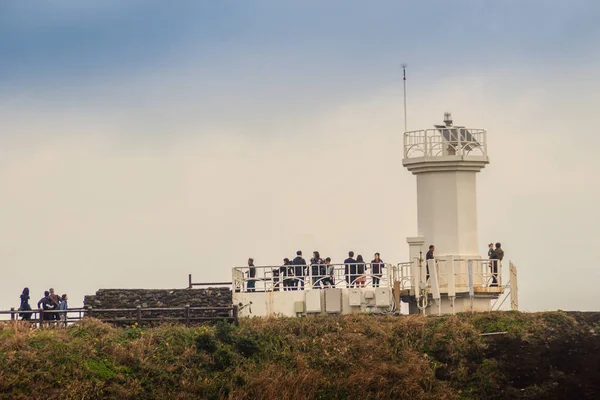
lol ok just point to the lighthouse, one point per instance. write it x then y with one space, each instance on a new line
446 160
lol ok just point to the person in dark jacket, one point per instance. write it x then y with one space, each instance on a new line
376 269
299 270
429 256
315 266
46 303
323 271
360 271
42 303
496 260
329 271
251 276
56 300
490 254
285 271
25 305
350 269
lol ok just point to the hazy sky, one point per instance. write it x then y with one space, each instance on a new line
144 140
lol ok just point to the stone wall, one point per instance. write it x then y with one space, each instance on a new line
159 298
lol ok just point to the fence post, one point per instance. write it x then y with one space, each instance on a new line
90 310
12 313
187 313
189 281
235 315
139 315
41 315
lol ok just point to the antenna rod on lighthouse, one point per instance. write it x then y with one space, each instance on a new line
404 80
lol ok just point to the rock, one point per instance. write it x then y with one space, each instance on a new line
157 298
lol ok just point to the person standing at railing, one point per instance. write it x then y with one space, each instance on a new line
323 272
285 271
429 256
315 266
42 303
25 305
56 300
376 269
46 303
350 269
299 270
329 280
496 258
63 306
361 267
251 276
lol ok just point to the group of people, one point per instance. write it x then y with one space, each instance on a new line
50 302
291 275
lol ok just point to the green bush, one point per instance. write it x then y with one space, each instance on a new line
224 332
223 359
100 369
205 341
247 346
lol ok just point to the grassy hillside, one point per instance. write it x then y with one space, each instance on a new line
543 356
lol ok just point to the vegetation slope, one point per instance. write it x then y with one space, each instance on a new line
541 356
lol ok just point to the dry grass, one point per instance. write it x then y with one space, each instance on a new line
349 357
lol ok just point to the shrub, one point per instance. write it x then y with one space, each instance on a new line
224 331
223 359
205 341
247 346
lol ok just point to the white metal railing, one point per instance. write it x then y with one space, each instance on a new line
483 275
405 275
308 277
446 141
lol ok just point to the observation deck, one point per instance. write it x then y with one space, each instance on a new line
296 290
445 147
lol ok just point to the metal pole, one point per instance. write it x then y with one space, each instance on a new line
404 80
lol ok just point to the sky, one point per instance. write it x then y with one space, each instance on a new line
141 141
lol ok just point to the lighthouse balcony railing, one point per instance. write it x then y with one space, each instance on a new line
304 277
483 275
405 275
446 141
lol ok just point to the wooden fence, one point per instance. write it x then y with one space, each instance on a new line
126 316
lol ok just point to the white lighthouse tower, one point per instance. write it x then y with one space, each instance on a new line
446 160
